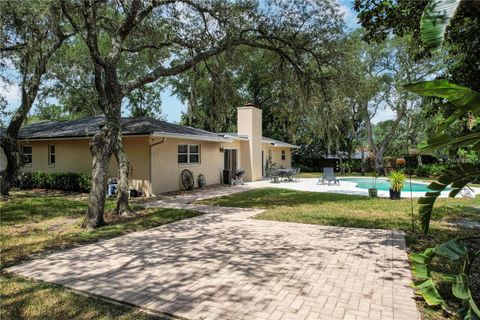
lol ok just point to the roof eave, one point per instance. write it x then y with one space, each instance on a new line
190 136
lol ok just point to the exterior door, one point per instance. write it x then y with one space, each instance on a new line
230 161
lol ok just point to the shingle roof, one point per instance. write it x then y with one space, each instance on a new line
89 126
278 143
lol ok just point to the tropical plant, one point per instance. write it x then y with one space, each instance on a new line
397 180
455 252
467 102
435 20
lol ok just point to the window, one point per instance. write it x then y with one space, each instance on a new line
51 155
283 155
27 153
188 153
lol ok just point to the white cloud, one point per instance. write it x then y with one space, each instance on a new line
383 114
345 10
11 92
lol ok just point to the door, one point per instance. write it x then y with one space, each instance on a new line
263 164
230 162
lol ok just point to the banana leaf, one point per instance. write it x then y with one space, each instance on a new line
435 19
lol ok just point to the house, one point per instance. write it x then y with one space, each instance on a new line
158 151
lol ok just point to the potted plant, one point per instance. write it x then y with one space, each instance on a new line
397 180
372 192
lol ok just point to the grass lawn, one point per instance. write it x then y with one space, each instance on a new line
362 212
35 223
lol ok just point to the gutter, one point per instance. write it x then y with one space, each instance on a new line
190 136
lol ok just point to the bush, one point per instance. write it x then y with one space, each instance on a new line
68 181
428 170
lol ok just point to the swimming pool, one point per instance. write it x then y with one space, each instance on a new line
384 184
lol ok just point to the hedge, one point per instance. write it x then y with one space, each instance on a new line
68 181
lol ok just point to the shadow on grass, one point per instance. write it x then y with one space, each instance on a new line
30 209
273 197
26 299
41 240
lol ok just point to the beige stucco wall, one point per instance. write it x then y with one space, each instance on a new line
73 155
277 155
166 170
250 124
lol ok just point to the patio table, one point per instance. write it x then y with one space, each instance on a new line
286 173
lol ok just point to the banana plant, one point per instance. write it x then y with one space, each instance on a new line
435 20
453 251
466 101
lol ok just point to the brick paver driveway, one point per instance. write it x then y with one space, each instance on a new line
223 265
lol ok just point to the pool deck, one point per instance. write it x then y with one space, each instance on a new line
347 187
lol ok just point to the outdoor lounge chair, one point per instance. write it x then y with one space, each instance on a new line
328 176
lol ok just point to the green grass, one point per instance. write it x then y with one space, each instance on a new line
35 223
26 299
342 210
362 212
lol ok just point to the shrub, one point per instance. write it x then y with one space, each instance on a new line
397 180
68 181
428 170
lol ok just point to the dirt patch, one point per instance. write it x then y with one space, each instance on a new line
196 190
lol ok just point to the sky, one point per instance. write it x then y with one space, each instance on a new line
172 107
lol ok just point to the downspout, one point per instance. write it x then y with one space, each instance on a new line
150 146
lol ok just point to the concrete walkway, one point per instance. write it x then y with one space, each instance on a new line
223 265
347 187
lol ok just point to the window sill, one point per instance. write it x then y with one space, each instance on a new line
183 165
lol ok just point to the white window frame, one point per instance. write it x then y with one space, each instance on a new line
188 153
50 154
283 155
31 155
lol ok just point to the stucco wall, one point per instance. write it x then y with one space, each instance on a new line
250 124
74 156
166 170
277 155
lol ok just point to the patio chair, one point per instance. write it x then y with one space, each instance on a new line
297 174
328 176
273 176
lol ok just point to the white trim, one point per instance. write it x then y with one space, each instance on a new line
31 155
238 157
227 136
29 140
51 165
280 144
191 137
188 163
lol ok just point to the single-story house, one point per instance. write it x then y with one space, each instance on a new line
158 151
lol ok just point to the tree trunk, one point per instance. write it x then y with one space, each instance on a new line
14 157
379 163
122 206
101 148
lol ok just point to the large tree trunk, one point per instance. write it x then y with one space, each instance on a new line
101 148
122 206
379 163
14 157
9 141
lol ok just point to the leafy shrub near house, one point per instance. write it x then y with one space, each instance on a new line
68 181
427 170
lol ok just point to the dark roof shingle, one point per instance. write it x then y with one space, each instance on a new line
89 126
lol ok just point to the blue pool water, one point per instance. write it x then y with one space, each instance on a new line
384 184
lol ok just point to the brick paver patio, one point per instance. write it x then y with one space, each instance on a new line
223 265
